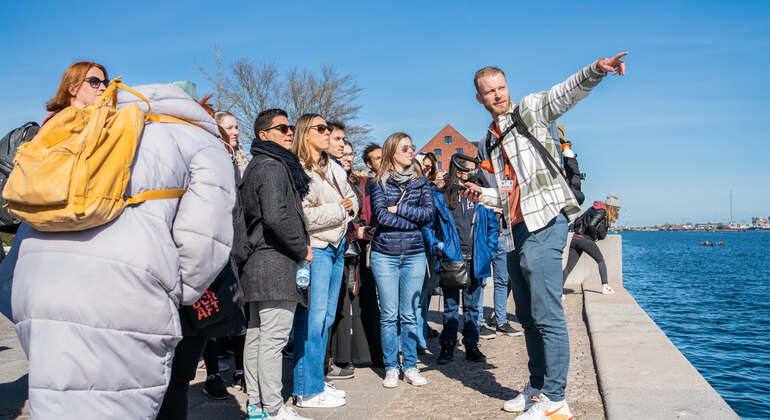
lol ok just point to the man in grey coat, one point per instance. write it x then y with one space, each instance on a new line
272 190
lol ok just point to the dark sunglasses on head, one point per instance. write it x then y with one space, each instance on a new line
322 128
404 148
283 128
95 82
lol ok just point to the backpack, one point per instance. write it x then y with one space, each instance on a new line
72 176
574 177
592 223
8 145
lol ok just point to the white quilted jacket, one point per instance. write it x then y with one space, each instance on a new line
96 310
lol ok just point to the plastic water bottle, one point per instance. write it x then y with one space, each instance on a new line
303 274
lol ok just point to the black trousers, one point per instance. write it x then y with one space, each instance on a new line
355 333
186 356
582 244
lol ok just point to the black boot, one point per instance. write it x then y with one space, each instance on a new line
447 352
473 354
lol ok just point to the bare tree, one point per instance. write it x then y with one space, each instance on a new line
247 88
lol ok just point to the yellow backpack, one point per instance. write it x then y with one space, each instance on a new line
72 176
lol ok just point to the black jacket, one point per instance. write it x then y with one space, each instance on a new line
272 189
592 223
399 233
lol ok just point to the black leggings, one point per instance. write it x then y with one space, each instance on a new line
582 244
183 368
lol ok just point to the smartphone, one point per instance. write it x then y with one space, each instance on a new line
458 187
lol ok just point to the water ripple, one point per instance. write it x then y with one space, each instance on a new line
713 303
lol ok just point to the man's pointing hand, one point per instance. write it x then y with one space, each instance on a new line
614 64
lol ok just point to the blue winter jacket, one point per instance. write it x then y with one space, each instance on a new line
441 234
399 233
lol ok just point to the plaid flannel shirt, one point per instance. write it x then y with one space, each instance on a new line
543 197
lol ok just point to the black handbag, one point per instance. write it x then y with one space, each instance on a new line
217 303
453 275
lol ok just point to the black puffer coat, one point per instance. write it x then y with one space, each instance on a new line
399 233
593 223
272 189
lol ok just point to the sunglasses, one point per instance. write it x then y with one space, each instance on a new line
95 82
283 128
322 128
405 148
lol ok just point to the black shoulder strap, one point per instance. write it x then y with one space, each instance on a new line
553 167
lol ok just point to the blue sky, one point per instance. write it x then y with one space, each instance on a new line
671 139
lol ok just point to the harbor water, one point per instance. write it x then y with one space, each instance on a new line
713 302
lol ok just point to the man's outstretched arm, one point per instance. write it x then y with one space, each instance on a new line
546 107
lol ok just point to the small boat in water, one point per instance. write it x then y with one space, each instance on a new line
707 243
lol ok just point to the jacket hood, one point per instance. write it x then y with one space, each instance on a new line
599 205
170 99
268 148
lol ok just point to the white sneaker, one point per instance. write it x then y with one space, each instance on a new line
545 409
288 413
391 378
412 376
322 400
523 401
331 389
606 290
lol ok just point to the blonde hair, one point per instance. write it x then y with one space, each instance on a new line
388 156
301 148
612 214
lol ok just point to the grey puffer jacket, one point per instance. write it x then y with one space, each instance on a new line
96 310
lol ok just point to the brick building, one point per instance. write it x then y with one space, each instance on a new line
447 142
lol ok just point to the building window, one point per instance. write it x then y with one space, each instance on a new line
459 150
437 152
438 166
448 139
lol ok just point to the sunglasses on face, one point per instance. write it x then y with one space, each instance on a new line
283 128
95 82
404 148
321 129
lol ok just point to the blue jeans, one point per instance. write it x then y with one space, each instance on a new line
399 280
502 284
536 284
480 304
470 304
311 326
422 317
422 313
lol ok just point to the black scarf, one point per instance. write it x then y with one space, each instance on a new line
298 176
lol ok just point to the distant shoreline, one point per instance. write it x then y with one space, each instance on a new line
653 229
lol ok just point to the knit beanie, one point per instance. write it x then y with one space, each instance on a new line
613 200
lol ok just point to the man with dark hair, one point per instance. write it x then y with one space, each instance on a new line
273 125
537 203
272 190
336 140
372 155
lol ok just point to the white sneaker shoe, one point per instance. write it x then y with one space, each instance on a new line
606 290
523 401
412 376
322 400
288 413
545 409
331 389
391 378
